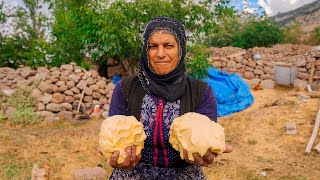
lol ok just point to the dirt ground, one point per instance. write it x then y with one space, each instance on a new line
257 134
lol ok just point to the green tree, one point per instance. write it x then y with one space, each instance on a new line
224 31
197 61
68 43
2 14
113 29
28 43
261 33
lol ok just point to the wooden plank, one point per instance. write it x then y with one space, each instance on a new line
82 95
317 63
314 131
311 73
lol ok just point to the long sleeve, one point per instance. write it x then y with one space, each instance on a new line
208 106
117 105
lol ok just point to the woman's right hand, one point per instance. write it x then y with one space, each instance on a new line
130 161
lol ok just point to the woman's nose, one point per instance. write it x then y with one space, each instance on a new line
161 52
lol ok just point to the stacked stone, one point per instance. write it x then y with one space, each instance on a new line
11 79
256 64
60 89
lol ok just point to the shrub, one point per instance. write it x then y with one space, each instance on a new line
25 105
197 61
2 116
292 33
314 38
261 33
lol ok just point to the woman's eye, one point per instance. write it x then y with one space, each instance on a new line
152 46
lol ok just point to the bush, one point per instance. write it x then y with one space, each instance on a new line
292 33
224 32
24 116
113 28
25 105
2 116
260 33
197 61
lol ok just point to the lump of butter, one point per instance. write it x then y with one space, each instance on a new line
196 133
118 132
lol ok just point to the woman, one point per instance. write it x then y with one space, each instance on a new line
160 93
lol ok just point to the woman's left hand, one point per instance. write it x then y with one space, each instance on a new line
207 159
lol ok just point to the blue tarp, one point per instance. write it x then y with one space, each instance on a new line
231 91
116 78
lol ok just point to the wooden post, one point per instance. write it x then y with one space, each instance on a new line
314 132
82 96
311 73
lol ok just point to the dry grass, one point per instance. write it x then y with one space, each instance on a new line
63 147
257 134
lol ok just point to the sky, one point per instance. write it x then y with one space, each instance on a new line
271 7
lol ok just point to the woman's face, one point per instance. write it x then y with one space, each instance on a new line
163 52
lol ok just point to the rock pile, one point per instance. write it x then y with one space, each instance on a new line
257 64
59 90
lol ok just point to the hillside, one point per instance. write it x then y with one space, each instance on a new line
308 16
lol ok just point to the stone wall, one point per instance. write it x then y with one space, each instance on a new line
58 90
256 65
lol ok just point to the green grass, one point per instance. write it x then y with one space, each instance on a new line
25 105
2 116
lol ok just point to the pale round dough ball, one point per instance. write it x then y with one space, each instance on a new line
196 133
118 132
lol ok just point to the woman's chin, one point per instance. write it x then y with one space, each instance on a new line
162 72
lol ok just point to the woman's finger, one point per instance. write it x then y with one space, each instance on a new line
137 159
133 154
185 154
209 157
113 159
198 159
127 160
229 149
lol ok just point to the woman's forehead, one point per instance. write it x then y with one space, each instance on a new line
163 34
159 36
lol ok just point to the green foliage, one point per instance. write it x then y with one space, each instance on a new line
25 116
293 33
67 45
225 30
13 170
28 44
245 30
261 33
2 14
314 38
113 29
25 105
317 35
98 29
197 61
2 116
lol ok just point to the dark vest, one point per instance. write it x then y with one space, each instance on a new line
133 94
